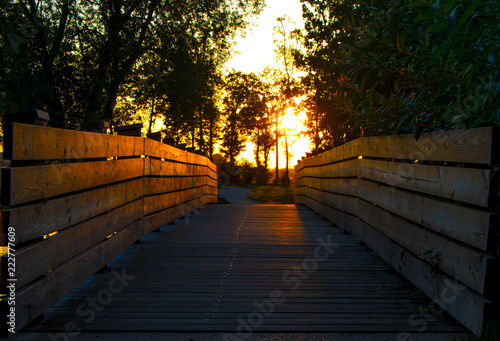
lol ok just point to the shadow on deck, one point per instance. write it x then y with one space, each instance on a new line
238 269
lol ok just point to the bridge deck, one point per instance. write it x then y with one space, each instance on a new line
235 268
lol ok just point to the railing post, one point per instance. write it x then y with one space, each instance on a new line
129 130
101 127
35 117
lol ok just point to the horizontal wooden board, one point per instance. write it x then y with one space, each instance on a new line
463 146
163 185
37 259
30 142
344 203
155 167
338 170
162 218
35 221
41 182
468 185
469 146
468 225
34 299
161 202
340 186
466 305
465 264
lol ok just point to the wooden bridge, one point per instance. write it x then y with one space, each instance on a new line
78 200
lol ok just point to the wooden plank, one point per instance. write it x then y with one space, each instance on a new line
164 185
41 182
162 218
163 201
468 185
34 299
466 224
30 142
162 150
338 170
155 167
340 186
37 259
35 221
344 203
465 264
463 146
468 146
466 305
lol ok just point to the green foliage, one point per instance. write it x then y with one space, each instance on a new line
77 59
405 66
242 103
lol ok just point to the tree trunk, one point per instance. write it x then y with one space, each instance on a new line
287 179
211 141
277 154
152 115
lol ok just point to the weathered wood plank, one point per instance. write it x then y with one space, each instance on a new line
342 169
463 146
468 225
35 221
340 186
28 184
466 305
30 142
468 146
468 185
163 201
163 185
34 299
162 218
37 259
344 203
465 264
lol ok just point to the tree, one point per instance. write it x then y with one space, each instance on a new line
287 46
76 59
241 105
405 66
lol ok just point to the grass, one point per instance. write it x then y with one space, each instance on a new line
270 194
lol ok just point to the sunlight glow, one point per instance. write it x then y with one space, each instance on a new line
256 48
298 144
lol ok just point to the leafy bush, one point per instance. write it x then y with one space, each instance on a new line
408 66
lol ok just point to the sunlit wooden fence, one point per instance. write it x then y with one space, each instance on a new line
76 200
426 207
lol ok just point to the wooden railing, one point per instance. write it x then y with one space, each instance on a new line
76 200
426 207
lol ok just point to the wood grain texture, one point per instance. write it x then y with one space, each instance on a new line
35 221
463 146
468 185
212 270
37 259
466 305
468 146
41 182
463 263
338 170
30 142
34 299
468 225
162 185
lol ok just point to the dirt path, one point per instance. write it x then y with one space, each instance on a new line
237 195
